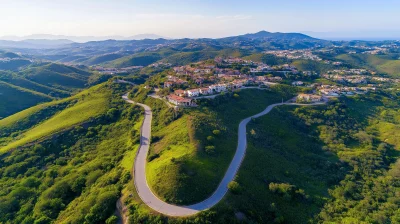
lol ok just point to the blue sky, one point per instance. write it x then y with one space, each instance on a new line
200 18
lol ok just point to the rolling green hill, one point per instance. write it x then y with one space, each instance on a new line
9 55
40 83
139 59
76 175
14 99
379 63
89 104
28 84
57 76
14 65
102 59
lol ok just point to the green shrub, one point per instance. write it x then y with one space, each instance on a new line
234 187
112 220
217 132
210 149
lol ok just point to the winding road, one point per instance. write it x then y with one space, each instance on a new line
160 206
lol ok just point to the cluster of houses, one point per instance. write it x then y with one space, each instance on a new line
115 71
231 61
354 79
185 97
160 65
295 54
383 79
309 98
331 90
174 81
351 72
357 79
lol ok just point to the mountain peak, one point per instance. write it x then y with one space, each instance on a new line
268 35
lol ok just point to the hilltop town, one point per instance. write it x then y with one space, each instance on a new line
183 85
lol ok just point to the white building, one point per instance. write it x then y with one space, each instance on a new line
298 83
192 92
218 87
205 91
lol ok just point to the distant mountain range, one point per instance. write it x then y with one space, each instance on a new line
34 43
80 39
44 41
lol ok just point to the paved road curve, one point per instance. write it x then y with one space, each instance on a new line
160 206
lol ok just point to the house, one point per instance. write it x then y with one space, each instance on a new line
180 92
309 98
205 91
297 83
179 101
218 88
236 85
192 92
275 79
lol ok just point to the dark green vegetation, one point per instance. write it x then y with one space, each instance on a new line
14 99
58 76
13 62
14 65
72 176
41 83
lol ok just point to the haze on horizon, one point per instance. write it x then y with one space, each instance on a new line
201 18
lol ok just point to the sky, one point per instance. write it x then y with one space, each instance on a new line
200 18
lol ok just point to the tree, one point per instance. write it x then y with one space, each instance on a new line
112 220
210 149
216 132
234 187
78 185
112 114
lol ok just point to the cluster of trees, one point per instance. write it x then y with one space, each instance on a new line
369 191
288 191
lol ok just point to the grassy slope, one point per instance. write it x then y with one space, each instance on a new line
102 59
58 76
192 175
183 58
140 59
86 165
90 104
376 62
14 98
28 84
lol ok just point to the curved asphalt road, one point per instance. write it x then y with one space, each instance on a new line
160 206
